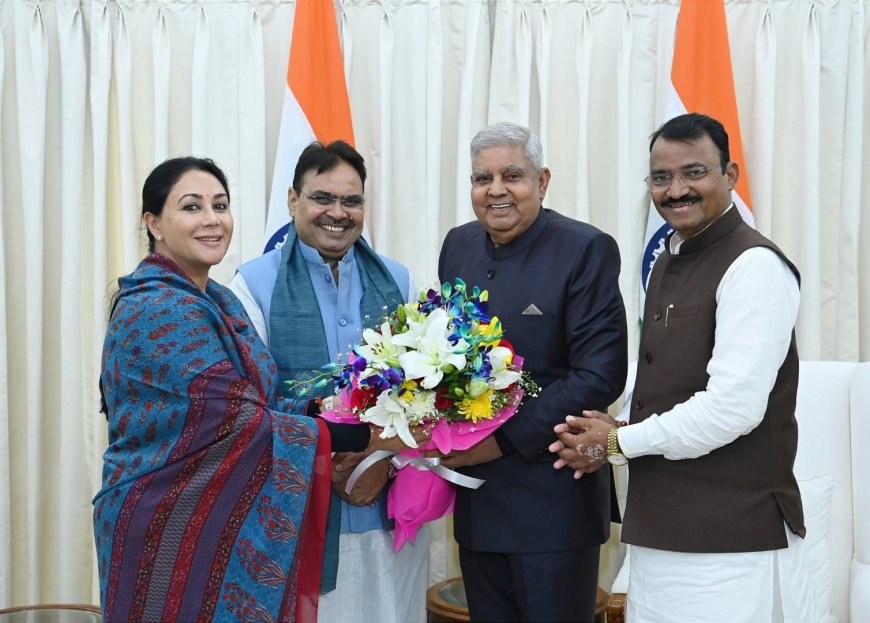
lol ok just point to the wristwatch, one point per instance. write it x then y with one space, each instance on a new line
614 454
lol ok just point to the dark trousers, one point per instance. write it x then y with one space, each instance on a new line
545 587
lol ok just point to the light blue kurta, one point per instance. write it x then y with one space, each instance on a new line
340 311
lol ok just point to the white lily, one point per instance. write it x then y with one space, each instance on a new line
411 338
434 352
501 376
390 413
380 349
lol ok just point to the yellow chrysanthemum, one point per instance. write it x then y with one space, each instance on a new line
408 394
479 408
493 329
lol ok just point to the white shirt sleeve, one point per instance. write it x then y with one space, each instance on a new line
625 411
240 288
757 304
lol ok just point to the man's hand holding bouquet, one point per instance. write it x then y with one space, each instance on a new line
440 363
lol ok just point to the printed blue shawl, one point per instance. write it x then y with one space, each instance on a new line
213 505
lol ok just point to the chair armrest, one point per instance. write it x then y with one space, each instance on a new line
616 608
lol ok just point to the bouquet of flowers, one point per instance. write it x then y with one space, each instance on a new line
442 363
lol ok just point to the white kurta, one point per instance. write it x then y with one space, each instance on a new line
375 584
757 304
743 587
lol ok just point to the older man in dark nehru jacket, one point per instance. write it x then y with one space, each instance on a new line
529 538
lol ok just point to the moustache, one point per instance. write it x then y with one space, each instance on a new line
334 222
667 203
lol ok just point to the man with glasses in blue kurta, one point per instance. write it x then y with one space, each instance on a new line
310 301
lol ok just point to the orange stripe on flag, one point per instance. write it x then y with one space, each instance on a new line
701 73
316 105
315 73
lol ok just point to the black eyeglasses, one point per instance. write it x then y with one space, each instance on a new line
663 181
325 199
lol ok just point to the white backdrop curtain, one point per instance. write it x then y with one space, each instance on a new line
94 93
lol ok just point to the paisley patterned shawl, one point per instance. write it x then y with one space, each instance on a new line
212 503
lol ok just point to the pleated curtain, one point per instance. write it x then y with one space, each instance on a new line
94 93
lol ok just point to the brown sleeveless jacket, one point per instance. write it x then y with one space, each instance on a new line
735 498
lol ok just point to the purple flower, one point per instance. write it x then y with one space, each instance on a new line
391 377
359 364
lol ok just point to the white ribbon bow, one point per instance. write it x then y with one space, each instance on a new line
421 463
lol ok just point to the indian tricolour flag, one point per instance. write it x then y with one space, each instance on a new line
316 105
702 82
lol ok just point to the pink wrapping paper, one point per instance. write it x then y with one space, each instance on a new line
420 496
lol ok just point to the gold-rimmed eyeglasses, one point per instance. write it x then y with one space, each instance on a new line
663 181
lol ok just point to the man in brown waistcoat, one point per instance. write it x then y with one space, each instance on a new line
713 510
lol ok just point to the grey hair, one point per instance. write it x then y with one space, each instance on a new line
513 135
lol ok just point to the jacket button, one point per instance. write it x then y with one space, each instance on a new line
658 316
648 357
639 404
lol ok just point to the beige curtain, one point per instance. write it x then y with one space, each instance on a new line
93 93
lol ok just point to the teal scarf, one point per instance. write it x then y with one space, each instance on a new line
296 335
298 342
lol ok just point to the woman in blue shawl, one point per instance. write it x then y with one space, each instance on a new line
213 504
